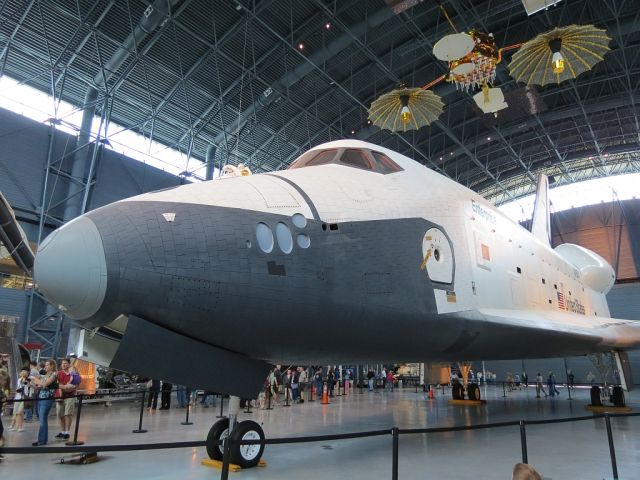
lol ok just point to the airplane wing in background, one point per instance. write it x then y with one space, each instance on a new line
14 239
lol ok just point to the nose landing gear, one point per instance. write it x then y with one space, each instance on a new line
245 456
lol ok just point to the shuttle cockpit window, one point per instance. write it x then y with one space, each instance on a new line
384 164
355 157
360 158
314 158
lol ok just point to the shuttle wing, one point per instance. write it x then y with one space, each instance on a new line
565 332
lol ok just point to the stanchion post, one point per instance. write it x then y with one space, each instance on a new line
504 392
75 433
268 392
523 442
140 429
569 390
612 450
394 463
221 406
186 420
225 459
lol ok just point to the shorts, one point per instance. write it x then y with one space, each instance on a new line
18 408
65 407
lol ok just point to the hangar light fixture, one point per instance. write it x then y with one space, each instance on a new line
405 109
405 113
559 54
557 61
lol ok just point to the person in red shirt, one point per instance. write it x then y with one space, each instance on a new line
65 405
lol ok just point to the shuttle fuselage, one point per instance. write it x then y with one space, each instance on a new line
345 260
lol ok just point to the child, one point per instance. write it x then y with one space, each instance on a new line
22 392
76 378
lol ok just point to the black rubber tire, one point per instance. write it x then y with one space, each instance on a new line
219 428
595 396
457 391
473 391
237 453
618 397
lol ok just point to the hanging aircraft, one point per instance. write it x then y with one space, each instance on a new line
353 254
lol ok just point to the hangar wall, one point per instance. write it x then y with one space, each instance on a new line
610 229
24 145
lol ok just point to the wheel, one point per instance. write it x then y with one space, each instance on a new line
595 396
618 397
246 455
219 431
473 391
457 391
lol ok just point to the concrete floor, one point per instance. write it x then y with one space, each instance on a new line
559 451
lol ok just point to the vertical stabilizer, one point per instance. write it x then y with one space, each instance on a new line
541 222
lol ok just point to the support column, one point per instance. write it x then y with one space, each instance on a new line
210 161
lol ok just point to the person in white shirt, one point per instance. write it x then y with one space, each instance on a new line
22 392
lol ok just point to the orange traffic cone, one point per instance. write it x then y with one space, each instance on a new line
325 396
431 396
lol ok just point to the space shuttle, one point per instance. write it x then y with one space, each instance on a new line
353 254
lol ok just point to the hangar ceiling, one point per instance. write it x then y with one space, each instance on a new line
264 80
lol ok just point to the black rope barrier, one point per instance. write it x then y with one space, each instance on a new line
221 407
140 429
523 442
395 453
268 394
75 441
186 420
105 448
225 458
612 450
395 432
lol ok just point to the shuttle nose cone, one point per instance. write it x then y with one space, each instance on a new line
70 268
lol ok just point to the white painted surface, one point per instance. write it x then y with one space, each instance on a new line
498 264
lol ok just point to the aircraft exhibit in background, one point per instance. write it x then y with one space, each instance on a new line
353 254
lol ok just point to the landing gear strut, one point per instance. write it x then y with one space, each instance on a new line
229 428
458 389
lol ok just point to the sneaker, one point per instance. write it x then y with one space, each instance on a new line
21 430
60 435
11 429
65 436
37 444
